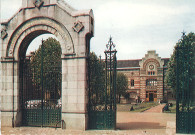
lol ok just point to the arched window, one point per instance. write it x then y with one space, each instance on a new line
151 72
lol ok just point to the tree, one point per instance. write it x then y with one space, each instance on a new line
46 62
96 78
121 85
186 41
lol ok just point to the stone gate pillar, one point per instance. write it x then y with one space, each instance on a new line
73 29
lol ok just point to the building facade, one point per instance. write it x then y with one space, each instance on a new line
146 78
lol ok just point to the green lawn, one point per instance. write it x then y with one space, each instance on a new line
136 107
171 109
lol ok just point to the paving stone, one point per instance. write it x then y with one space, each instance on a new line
127 124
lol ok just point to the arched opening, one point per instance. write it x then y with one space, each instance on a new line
40 79
70 27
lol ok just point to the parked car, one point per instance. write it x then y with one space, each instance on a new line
37 104
31 104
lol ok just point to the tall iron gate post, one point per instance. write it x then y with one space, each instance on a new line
110 56
185 111
102 100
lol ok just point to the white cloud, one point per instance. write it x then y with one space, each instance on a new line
136 25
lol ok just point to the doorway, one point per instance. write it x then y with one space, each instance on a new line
151 97
40 85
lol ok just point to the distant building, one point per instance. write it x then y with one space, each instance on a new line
146 78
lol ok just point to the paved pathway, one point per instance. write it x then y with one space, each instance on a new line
45 131
128 123
149 122
156 109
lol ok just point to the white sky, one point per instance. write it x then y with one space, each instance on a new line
135 25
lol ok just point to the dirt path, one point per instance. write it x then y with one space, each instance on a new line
152 121
129 121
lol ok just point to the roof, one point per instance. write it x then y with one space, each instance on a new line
128 63
134 63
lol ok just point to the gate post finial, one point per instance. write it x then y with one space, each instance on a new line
110 46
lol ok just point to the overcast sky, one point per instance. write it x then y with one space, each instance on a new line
135 25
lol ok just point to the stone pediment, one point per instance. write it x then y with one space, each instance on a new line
60 16
37 3
45 3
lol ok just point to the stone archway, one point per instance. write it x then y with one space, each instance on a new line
35 27
73 29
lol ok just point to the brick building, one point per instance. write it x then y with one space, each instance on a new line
146 78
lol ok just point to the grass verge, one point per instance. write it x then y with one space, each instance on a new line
140 107
171 109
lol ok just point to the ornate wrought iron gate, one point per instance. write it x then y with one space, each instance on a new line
185 108
102 100
41 91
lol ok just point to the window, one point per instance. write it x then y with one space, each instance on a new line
132 83
151 82
151 73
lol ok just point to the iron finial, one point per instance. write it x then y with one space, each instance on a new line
110 46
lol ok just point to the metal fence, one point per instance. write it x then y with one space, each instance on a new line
185 92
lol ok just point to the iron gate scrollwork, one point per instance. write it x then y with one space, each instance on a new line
41 89
102 100
185 103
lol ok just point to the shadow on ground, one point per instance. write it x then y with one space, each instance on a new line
139 125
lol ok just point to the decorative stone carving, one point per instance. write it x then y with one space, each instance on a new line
78 26
3 33
151 67
38 3
37 24
68 47
11 51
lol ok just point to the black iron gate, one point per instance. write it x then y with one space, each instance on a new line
102 97
185 108
41 89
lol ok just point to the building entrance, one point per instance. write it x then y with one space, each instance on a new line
151 97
